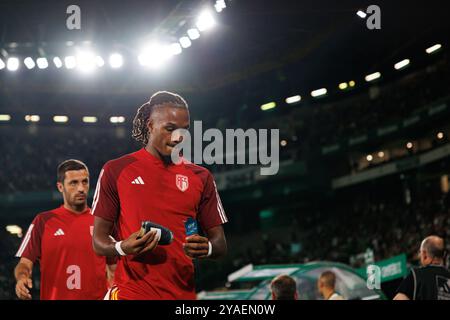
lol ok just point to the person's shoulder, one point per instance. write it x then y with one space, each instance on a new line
118 164
44 216
196 168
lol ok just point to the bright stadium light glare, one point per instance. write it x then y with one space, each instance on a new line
89 119
60 119
29 63
99 62
373 76
5 117
115 60
402 64
175 48
343 85
86 61
193 33
380 154
220 5
12 64
32 118
117 119
155 56
42 63
205 21
57 61
434 48
2 64
319 92
369 157
361 14
351 83
70 62
283 143
185 42
409 145
440 135
293 99
268 106
14 229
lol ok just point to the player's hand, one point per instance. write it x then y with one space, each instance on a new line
23 286
134 246
196 246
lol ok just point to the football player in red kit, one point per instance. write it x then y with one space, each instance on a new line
147 186
61 241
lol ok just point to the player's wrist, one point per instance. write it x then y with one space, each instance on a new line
119 248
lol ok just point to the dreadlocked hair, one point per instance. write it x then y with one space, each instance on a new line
140 128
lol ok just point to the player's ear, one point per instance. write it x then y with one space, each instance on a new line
60 186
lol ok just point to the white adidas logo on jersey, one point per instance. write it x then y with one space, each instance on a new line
59 232
138 180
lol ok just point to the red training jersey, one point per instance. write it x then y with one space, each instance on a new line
61 241
139 187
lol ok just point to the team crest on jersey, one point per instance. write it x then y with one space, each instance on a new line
182 182
91 230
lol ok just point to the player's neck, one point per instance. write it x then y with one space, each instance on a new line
327 293
75 209
165 159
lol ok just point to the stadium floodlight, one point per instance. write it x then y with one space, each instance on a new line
175 48
117 119
57 61
293 99
193 33
351 83
283 143
343 85
2 64
434 48
369 157
42 63
99 62
89 119
115 60
70 62
402 64
12 64
185 42
32 118
60 119
14 229
380 154
373 76
29 63
155 56
409 145
86 61
319 92
205 21
440 135
361 14
268 106
220 5
5 117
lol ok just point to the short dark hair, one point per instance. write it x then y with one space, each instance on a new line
69 165
329 279
140 129
283 287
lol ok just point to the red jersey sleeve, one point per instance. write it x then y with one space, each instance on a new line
30 247
211 212
106 199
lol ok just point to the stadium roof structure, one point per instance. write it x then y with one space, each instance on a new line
304 43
